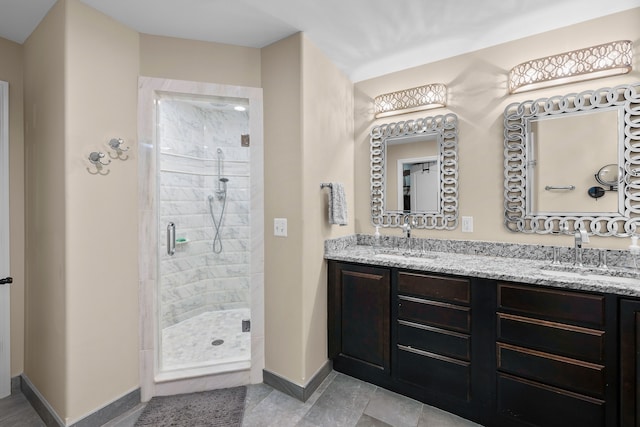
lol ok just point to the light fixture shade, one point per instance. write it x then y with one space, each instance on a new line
410 100
593 62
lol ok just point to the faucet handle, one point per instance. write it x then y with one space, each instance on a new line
602 262
583 235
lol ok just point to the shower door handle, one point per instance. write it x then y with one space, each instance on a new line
171 238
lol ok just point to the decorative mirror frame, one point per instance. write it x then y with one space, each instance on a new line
517 117
445 128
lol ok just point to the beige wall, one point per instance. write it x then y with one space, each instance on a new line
45 363
327 156
199 61
101 211
81 302
308 106
283 186
478 95
11 71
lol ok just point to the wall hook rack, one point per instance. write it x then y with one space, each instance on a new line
95 157
116 145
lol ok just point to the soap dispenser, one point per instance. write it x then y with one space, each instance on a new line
376 236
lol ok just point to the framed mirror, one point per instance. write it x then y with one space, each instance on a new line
414 173
574 161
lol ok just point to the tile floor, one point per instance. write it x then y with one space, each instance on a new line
339 401
16 411
189 343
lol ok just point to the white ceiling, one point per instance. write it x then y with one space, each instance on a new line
365 38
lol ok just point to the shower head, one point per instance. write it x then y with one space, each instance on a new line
224 179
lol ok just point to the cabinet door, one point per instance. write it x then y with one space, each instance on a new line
359 313
629 368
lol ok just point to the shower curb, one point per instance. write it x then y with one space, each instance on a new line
301 393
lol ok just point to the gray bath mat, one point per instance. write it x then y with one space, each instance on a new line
215 408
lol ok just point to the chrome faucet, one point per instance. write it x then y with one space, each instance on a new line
580 237
406 228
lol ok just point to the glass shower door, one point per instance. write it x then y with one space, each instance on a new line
204 230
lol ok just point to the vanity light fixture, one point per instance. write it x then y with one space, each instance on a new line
409 100
593 62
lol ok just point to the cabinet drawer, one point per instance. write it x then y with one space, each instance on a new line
535 404
550 369
563 339
437 287
434 313
426 370
575 307
434 340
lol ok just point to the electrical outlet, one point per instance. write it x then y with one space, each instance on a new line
467 224
280 227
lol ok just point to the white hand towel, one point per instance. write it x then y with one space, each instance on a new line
337 204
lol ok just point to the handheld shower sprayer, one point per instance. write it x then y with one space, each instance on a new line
221 195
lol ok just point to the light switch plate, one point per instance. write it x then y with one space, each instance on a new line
280 227
467 224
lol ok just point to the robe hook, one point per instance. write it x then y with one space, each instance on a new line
95 156
116 144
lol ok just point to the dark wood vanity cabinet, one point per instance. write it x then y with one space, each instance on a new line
359 320
552 361
498 353
629 363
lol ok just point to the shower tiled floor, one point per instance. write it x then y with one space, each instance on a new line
188 344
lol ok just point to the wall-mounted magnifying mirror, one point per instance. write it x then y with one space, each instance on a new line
414 173
552 148
610 176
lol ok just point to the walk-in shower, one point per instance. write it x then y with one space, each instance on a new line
203 190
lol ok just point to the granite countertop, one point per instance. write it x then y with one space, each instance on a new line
622 281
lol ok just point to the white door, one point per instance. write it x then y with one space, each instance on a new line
5 351
425 187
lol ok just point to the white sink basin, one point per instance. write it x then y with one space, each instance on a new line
610 275
404 255
593 271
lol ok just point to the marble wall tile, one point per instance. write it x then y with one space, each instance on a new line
198 131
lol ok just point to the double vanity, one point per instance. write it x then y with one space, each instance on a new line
501 334
493 332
